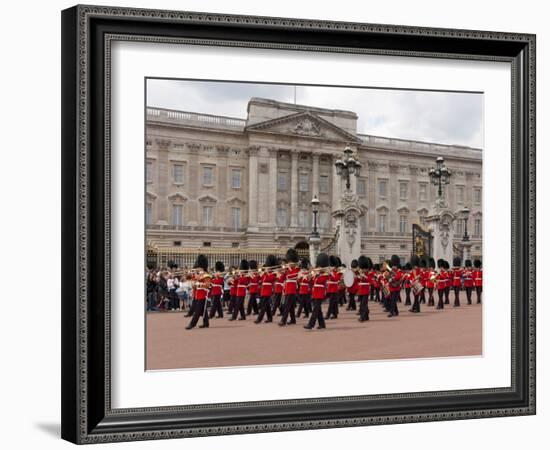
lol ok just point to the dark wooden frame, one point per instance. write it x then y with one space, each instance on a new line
87 32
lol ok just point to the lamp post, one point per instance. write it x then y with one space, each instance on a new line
347 166
440 175
315 209
465 213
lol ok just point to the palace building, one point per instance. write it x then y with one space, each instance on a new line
225 182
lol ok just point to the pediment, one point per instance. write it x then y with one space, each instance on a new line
207 199
305 124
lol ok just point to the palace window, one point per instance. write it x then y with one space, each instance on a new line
207 176
178 173
177 215
361 187
422 192
460 227
477 227
460 194
236 218
324 220
382 223
403 190
149 172
281 181
303 182
207 216
149 213
282 217
383 188
403 223
236 178
477 195
323 184
302 218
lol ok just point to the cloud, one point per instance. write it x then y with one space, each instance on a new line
444 117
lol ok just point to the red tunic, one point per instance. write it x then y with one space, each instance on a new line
395 285
319 286
428 283
304 285
441 280
291 280
279 283
332 282
478 277
468 278
201 288
242 284
216 288
457 277
407 278
363 284
253 287
267 281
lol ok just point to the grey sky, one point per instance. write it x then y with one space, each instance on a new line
443 117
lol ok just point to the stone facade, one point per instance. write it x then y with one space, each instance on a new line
225 182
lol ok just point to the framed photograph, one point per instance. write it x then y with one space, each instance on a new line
283 224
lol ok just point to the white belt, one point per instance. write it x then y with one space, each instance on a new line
319 286
266 283
253 284
364 284
332 282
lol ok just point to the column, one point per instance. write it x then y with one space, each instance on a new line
252 188
336 184
294 190
273 187
163 181
315 175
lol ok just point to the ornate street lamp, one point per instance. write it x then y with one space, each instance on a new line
464 214
440 176
315 209
347 166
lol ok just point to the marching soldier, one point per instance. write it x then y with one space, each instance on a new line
394 283
290 287
424 278
441 283
216 290
478 279
253 289
232 281
430 278
375 282
279 288
363 287
332 289
267 280
318 293
468 280
448 280
418 286
352 290
304 290
407 279
201 285
456 275
242 282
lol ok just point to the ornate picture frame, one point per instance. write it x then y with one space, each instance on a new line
87 35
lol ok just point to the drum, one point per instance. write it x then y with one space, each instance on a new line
417 287
348 277
386 290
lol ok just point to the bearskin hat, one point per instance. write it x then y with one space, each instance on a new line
322 260
447 265
354 264
408 266
253 264
477 263
415 261
362 262
457 261
376 267
201 262
339 262
304 263
244 265
440 263
333 261
395 261
219 266
423 263
468 263
431 263
292 256
270 261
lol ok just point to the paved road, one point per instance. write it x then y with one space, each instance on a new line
432 333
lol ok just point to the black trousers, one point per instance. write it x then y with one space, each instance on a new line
238 308
431 297
332 310
447 289
225 298
316 314
469 295
407 296
416 305
199 310
341 298
363 308
478 293
377 294
304 304
393 303
277 304
351 305
191 308
289 309
423 296
264 309
231 306
457 296
440 295
252 304
216 306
